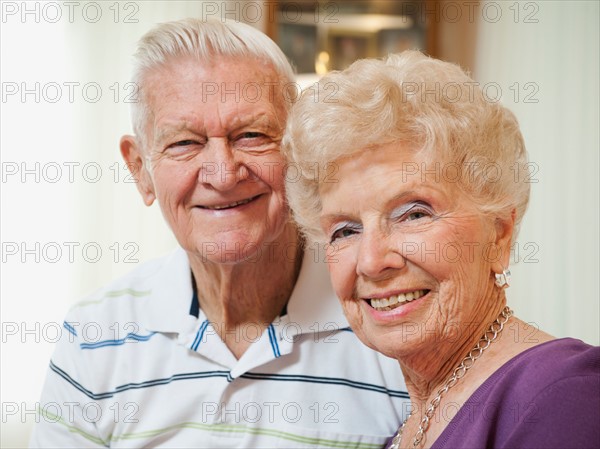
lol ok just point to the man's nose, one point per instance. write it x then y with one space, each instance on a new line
220 168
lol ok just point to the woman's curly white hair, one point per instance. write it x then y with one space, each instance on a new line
409 98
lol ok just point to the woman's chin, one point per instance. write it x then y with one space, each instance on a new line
395 331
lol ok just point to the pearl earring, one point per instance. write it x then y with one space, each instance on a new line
503 279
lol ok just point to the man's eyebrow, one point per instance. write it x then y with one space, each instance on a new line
169 130
264 120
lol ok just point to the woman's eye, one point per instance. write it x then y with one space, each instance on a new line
416 215
411 212
342 233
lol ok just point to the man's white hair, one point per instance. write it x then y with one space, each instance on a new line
203 40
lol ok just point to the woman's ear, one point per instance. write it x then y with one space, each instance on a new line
136 163
505 227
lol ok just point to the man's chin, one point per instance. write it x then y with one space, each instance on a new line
231 251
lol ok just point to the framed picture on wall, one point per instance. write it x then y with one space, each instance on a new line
345 48
321 36
299 43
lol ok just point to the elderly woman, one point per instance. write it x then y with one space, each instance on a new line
407 174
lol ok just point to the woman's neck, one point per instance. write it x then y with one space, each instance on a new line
427 370
241 300
426 374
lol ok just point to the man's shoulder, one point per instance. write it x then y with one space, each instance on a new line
122 296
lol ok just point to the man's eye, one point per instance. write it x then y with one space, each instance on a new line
183 143
252 139
183 149
251 135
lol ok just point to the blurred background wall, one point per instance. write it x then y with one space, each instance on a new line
72 219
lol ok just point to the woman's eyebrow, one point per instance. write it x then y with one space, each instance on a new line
337 216
401 196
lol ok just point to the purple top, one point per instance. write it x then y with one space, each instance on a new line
545 397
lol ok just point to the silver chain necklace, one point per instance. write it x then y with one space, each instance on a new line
484 342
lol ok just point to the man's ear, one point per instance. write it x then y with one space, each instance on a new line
505 227
136 163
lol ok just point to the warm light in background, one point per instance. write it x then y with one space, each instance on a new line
321 66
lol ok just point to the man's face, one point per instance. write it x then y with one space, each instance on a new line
212 152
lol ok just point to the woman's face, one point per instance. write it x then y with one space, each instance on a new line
410 256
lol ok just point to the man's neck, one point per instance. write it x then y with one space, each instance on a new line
241 300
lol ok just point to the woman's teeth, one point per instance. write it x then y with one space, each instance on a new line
394 301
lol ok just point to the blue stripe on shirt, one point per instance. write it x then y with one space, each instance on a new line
137 385
199 335
130 336
227 376
70 328
326 380
273 340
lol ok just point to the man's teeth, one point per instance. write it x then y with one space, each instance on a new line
394 301
227 206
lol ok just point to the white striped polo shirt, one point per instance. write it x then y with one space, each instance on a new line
133 368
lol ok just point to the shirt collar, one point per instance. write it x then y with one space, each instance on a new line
169 303
312 305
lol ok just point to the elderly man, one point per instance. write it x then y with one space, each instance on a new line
235 339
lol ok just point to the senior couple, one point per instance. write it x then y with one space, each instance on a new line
236 339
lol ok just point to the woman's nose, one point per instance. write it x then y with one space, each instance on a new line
378 256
